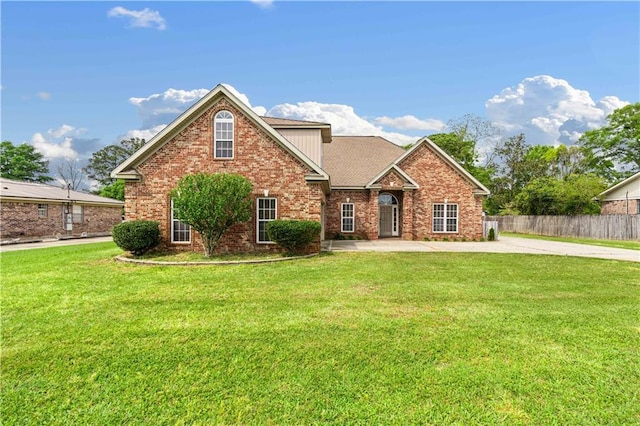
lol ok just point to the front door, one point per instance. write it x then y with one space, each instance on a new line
387 216
386 221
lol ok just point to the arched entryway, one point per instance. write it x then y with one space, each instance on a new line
388 215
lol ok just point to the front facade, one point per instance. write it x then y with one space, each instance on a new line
364 187
622 198
35 210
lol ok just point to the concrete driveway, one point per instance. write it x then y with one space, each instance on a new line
504 245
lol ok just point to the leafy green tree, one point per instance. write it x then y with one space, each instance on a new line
460 150
102 162
212 203
23 162
576 194
618 141
114 190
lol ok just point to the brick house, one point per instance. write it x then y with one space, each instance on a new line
364 186
622 198
36 210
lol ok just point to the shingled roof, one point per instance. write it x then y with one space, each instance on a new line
14 190
352 161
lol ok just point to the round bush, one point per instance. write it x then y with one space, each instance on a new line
136 236
293 235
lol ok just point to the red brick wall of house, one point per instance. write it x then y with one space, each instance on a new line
333 213
620 207
256 156
437 181
21 220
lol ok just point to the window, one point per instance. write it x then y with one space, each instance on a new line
348 215
223 135
43 210
180 231
266 212
78 213
445 218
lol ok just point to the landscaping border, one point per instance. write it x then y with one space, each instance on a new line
210 263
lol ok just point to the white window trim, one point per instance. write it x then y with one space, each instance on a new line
352 217
173 221
77 218
43 210
215 131
258 220
444 218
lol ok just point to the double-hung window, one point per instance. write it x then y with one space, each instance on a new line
78 213
445 217
180 231
43 210
266 211
348 215
223 135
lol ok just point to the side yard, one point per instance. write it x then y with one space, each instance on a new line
381 338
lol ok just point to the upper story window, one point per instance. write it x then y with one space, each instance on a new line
223 135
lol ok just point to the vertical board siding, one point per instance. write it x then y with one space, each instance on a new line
607 227
308 141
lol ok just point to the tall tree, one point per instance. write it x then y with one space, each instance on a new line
575 194
70 172
102 162
619 140
23 162
212 203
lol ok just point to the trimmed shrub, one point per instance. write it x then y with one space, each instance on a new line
136 236
293 235
492 234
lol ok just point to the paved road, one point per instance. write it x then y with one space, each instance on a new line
53 243
505 245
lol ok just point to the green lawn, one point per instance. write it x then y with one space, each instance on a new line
348 338
631 245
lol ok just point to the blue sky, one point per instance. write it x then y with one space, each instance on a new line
77 76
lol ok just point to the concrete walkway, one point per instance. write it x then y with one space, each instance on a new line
505 245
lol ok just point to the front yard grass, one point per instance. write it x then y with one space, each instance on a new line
346 338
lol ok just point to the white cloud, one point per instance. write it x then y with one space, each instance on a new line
548 110
411 122
263 3
145 18
52 149
65 130
145 134
45 96
159 109
343 120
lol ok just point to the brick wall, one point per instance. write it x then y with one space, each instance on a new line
256 156
333 213
620 207
21 220
437 181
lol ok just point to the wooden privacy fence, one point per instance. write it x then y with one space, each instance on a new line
607 227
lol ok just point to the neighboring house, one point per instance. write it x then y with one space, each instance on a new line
622 198
359 186
36 210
